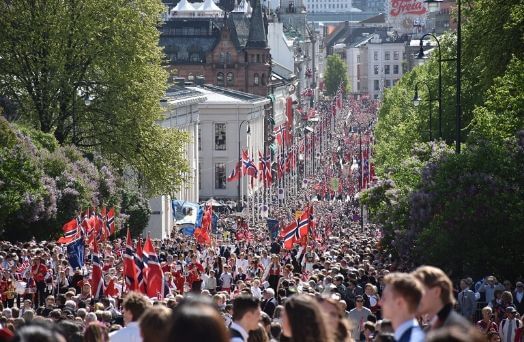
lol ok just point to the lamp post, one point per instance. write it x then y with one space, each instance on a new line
240 158
421 56
416 103
458 113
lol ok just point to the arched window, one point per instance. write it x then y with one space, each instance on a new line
220 79
263 79
230 79
256 80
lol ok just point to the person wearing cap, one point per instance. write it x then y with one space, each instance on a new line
518 297
509 325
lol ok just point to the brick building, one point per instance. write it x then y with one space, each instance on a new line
229 49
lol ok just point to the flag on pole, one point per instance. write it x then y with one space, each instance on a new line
110 221
130 271
71 232
75 253
155 276
97 281
141 267
273 226
235 174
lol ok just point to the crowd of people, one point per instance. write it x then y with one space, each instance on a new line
338 285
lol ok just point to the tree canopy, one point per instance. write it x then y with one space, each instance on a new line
89 72
336 74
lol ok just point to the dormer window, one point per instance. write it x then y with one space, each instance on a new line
256 79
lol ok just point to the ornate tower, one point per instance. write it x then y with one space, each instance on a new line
257 56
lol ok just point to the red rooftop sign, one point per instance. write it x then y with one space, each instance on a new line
406 7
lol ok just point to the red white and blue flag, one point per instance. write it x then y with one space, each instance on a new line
141 267
97 281
154 276
130 271
71 232
297 230
279 132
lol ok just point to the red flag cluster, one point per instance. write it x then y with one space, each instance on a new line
93 225
142 270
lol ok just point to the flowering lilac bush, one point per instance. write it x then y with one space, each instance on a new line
43 185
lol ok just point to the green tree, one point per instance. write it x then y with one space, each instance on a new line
90 72
335 75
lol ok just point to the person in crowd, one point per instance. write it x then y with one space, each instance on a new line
269 303
466 301
358 316
338 323
134 305
152 323
437 300
509 325
96 332
195 320
246 315
487 324
518 297
400 301
302 320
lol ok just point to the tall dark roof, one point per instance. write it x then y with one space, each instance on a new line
257 31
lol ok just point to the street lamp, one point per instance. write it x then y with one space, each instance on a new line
458 114
420 55
416 103
248 131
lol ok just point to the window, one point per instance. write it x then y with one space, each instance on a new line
222 58
220 136
376 85
220 79
258 58
256 80
252 58
230 79
228 58
387 55
195 58
358 58
386 69
199 139
375 55
220 176
375 68
395 69
263 79
387 84
395 55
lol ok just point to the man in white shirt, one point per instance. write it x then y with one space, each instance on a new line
400 300
246 315
509 325
134 306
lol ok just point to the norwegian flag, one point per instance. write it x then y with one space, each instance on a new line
155 276
86 223
71 232
235 174
110 221
22 268
297 230
279 132
97 281
249 167
111 290
264 166
130 271
281 165
141 267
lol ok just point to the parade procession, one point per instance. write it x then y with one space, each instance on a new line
261 171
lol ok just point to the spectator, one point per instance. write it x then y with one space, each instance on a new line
135 304
358 316
302 320
269 303
246 315
509 325
152 323
486 324
96 332
400 300
437 300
